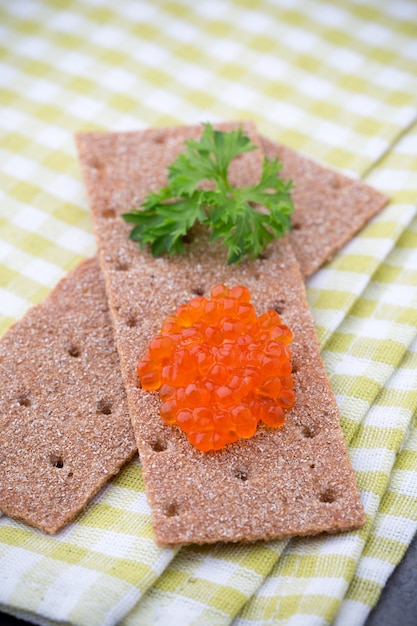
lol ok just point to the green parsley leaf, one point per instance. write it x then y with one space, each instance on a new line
245 219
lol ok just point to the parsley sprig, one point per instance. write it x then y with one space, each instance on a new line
245 219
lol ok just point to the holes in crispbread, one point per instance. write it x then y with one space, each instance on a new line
74 351
279 306
121 266
159 139
309 431
95 163
159 445
327 496
241 473
198 290
265 254
171 510
131 321
296 226
108 214
24 399
57 461
104 406
336 182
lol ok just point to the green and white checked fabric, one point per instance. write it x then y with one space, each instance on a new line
337 81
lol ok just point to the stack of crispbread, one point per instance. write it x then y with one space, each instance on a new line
64 409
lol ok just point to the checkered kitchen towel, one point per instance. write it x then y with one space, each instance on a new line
336 81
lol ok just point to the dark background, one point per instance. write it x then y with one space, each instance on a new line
397 605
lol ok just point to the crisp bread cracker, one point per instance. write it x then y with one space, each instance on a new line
297 167
294 480
64 422
329 207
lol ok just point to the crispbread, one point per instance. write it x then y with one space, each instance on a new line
295 480
64 422
316 201
329 207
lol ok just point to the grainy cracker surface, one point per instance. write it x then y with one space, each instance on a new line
329 207
64 422
295 480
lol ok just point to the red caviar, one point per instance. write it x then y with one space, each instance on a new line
220 369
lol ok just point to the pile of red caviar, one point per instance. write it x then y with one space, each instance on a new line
220 369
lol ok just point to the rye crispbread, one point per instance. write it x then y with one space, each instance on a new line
64 422
294 166
329 207
295 480
322 193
